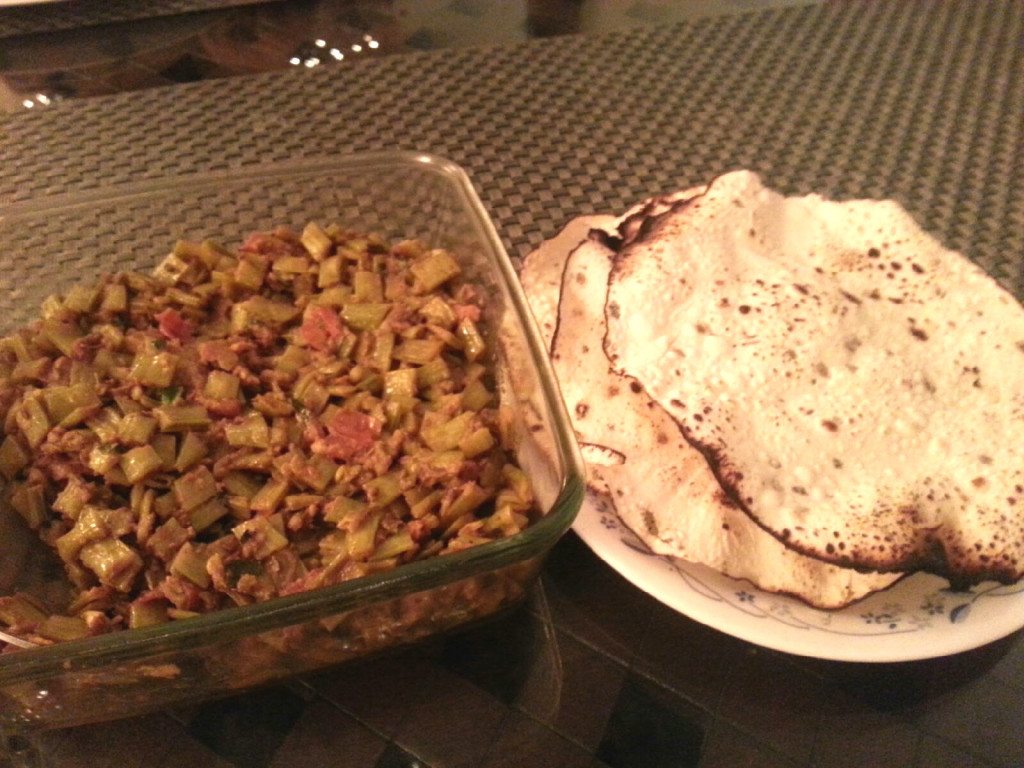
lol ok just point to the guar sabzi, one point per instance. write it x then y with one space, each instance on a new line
242 424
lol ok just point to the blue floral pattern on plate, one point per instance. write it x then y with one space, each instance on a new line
918 617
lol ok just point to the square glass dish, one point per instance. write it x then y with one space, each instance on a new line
48 245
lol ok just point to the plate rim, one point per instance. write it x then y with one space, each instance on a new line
605 539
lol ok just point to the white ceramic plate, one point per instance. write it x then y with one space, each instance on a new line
917 618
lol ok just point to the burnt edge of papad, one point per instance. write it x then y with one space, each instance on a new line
615 453
610 502
819 607
648 226
934 557
595 235
938 557
625 229
637 226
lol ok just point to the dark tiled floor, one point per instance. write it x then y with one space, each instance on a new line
649 726
692 663
728 747
451 721
155 740
526 742
937 753
249 730
596 605
775 700
851 737
325 737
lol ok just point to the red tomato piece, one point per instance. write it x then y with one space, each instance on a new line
173 326
348 434
322 329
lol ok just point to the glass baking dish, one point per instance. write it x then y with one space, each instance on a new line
50 244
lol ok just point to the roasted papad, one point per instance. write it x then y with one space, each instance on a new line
541 275
855 386
661 487
637 458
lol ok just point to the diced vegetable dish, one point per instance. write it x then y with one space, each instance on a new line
243 424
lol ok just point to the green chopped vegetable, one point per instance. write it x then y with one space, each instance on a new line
263 533
269 497
252 431
90 526
139 463
476 396
146 614
432 372
62 402
72 499
221 386
360 542
114 563
181 418
469 498
476 442
342 507
33 422
136 429
207 513
335 296
400 383
242 484
259 310
330 272
193 450
165 446
433 270
193 489
364 317
62 335
115 299
154 369
292 359
81 298
438 312
419 351
428 503
396 545
251 272
62 628
472 342
316 241
15 346
384 489
26 371
102 459
449 434
21 610
29 501
190 563
244 423
367 286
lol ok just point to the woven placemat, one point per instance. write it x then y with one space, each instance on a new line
916 100
72 14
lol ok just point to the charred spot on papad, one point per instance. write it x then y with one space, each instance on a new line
659 485
825 358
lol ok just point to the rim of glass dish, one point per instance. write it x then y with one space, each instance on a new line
240 621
